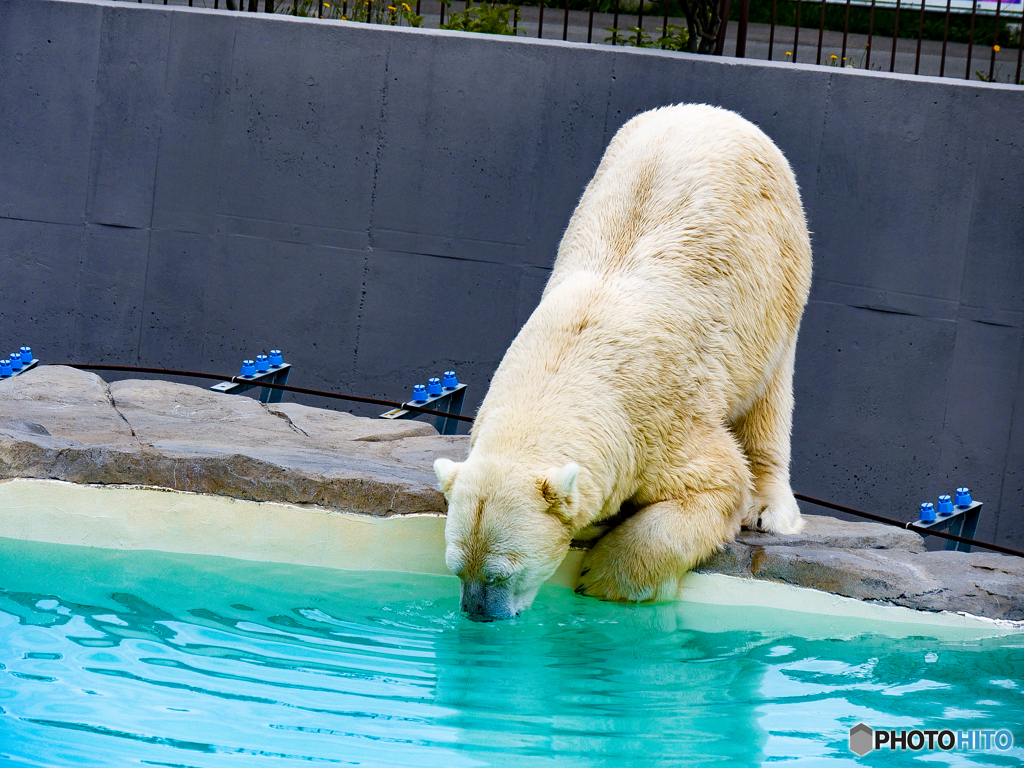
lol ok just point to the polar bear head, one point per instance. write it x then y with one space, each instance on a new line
507 531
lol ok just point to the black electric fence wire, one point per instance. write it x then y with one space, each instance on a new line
910 526
257 383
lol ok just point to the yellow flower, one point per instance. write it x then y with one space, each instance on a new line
789 53
833 57
995 48
391 8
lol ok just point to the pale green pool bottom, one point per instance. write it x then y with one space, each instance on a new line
135 518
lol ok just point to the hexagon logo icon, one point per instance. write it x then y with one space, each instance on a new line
862 739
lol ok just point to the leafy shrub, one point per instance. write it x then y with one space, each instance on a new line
373 11
488 18
676 38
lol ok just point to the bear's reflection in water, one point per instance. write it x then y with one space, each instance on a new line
118 656
578 682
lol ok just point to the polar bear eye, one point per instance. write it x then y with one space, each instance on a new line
492 578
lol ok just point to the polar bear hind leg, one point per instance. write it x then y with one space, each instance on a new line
642 558
765 431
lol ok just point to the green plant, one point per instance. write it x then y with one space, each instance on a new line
488 18
983 76
616 37
372 11
675 38
640 39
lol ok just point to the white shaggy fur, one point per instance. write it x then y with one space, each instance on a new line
655 376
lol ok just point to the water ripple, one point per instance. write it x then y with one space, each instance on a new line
118 658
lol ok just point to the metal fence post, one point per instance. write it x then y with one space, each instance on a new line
724 9
741 29
995 40
970 40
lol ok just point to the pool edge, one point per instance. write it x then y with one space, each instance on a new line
147 518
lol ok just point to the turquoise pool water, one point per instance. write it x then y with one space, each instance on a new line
137 658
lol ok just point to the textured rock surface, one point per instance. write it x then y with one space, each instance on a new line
832 533
64 424
879 563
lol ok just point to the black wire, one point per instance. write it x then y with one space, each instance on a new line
911 526
257 383
376 401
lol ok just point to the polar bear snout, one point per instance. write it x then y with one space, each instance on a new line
506 530
487 602
483 601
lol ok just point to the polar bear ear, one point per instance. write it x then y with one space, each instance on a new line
559 484
446 470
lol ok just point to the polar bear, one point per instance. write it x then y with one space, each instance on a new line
652 387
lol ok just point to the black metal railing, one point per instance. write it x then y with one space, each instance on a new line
972 39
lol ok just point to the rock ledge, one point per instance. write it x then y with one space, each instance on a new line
64 424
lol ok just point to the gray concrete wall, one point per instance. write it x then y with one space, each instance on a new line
184 188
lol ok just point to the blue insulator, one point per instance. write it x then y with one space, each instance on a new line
5 368
433 386
450 381
419 393
945 506
26 355
16 361
262 364
927 513
963 497
275 358
248 367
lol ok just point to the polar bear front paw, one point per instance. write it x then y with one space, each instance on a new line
777 512
612 573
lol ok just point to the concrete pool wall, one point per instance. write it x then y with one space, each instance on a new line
138 518
181 187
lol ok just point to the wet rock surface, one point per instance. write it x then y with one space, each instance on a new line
63 424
